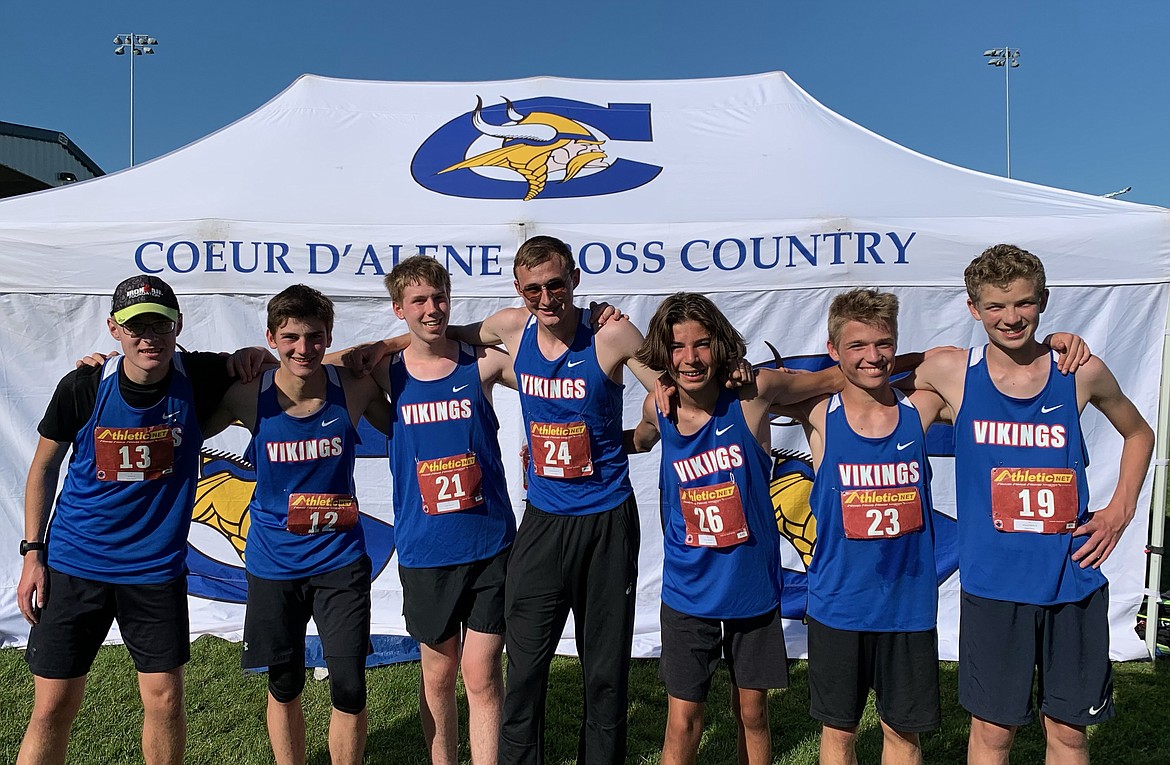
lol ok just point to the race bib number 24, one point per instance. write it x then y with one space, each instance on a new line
560 449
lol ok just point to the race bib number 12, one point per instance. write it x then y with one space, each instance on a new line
321 513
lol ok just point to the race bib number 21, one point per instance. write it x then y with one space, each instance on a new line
450 484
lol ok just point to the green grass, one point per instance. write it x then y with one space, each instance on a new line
225 711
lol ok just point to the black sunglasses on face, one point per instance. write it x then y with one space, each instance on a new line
554 287
139 328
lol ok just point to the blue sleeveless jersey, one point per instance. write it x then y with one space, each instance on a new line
882 584
313 454
573 388
993 430
446 418
733 582
128 531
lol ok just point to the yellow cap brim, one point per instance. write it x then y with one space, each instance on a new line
128 313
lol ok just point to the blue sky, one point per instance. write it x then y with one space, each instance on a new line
1090 102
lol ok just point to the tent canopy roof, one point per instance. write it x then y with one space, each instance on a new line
732 149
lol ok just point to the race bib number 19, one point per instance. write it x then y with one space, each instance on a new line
881 513
713 515
321 513
561 449
450 484
1036 500
133 454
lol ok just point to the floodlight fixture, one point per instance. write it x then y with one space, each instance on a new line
138 45
1008 58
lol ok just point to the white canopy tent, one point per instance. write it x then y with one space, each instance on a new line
743 188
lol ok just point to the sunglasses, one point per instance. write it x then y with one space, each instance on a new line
555 288
140 328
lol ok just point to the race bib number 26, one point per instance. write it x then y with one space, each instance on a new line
713 515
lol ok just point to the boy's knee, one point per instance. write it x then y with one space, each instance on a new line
347 684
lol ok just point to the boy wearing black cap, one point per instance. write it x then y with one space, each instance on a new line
117 544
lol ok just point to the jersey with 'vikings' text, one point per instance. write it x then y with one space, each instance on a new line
873 566
573 418
304 474
721 548
125 508
445 436
1030 454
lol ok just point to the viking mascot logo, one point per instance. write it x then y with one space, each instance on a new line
541 148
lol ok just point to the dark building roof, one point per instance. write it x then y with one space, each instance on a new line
34 159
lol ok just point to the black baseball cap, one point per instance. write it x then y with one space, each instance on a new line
144 294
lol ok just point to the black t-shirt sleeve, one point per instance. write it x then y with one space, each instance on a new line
76 395
72 405
209 379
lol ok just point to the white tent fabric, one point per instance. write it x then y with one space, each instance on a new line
743 188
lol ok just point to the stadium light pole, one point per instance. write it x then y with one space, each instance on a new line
135 45
1008 58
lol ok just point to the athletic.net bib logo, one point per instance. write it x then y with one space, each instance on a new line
538 148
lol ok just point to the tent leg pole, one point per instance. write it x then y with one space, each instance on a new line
1158 513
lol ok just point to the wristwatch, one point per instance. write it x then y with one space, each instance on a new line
26 546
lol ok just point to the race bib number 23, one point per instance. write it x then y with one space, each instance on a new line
881 513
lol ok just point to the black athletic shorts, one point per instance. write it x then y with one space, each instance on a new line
901 667
279 610
1001 645
77 616
692 645
438 601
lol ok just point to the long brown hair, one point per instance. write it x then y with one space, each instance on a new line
727 345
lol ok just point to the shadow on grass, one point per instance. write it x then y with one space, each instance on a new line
225 713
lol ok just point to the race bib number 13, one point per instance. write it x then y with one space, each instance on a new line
561 449
881 513
321 513
450 484
133 454
713 515
1036 500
